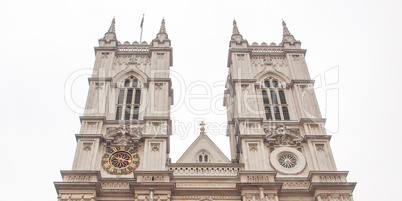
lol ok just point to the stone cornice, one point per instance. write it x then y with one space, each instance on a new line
313 120
99 79
159 80
304 51
245 81
77 136
148 118
95 118
299 81
314 137
105 48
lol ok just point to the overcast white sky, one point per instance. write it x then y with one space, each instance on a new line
44 42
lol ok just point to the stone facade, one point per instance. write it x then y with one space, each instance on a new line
279 147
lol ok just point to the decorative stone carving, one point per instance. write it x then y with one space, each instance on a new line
117 185
204 170
158 86
330 178
253 147
295 185
99 85
320 147
334 197
152 179
123 135
281 136
78 178
244 87
155 147
257 178
105 55
160 55
87 146
209 185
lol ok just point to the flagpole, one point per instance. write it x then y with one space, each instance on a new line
142 25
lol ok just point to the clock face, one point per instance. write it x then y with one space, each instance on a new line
120 160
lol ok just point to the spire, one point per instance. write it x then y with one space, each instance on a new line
163 28
112 27
285 29
287 37
161 39
111 33
235 29
236 36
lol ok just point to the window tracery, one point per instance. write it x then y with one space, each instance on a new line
274 99
129 99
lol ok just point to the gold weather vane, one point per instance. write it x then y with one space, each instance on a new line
202 124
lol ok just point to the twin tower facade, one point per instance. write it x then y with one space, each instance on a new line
278 143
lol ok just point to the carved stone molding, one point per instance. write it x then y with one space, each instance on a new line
257 178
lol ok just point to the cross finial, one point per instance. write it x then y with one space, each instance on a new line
202 124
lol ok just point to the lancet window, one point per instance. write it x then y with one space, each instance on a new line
129 100
274 99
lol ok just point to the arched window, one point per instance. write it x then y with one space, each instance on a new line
277 114
282 97
268 113
129 99
275 109
267 84
273 97
285 113
265 97
203 157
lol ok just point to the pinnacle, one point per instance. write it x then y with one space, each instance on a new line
112 26
235 29
285 28
163 28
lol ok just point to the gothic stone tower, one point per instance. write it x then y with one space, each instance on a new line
279 148
275 126
126 122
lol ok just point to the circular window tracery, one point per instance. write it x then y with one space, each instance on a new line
287 160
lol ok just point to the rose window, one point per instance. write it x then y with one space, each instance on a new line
287 160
